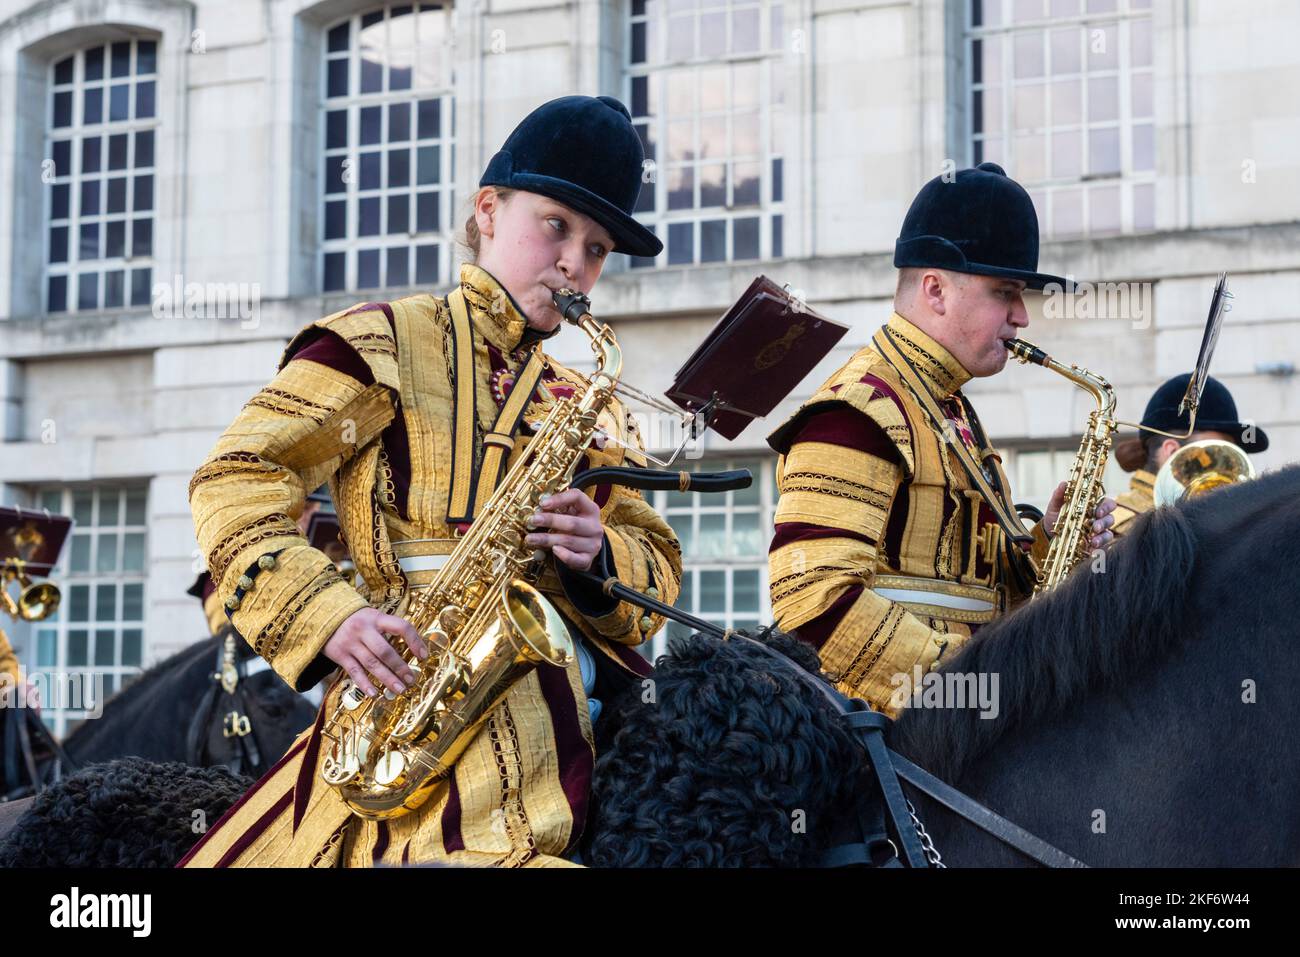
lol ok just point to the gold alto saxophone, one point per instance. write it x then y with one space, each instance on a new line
1083 489
487 626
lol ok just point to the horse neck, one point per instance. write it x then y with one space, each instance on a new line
143 716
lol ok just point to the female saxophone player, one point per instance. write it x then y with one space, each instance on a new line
366 399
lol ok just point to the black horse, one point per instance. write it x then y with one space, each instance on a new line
178 710
1148 713
1144 718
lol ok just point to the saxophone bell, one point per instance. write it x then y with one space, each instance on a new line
487 622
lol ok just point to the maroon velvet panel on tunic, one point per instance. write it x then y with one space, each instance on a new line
847 427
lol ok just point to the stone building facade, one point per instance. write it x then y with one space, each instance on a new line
185 183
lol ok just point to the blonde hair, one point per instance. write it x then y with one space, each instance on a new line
473 240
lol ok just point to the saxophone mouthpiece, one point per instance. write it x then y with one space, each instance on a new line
1026 351
572 305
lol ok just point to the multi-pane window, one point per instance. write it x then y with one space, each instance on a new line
724 538
705 93
1061 94
99 626
387 128
1035 472
100 170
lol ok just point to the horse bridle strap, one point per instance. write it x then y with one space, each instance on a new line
1008 833
888 765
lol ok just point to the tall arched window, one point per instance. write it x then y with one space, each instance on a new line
100 170
388 125
1062 94
704 88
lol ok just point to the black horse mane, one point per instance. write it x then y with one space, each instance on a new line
1122 622
144 682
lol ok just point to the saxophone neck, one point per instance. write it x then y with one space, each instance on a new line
576 309
1098 387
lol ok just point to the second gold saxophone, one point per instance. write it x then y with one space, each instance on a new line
486 625
1083 490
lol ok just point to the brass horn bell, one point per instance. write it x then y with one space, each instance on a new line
36 602
1201 467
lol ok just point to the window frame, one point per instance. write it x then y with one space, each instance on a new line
1133 185
60 624
76 133
352 244
657 71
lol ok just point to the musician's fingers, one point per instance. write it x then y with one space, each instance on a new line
359 676
576 560
1102 540
571 502
1106 506
379 671
379 648
1103 523
581 544
577 526
391 624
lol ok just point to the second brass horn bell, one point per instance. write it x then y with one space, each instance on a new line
1201 467
36 602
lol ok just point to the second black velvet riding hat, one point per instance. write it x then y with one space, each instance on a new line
975 221
1216 413
584 152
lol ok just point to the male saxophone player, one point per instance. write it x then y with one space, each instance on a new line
894 531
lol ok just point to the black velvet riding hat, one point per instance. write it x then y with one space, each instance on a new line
1216 413
978 221
584 152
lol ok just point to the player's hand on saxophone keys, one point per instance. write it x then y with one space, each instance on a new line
1102 519
360 646
573 531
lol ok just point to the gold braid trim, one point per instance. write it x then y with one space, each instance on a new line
377 343
267 644
505 748
934 370
781 593
328 855
386 558
286 403
823 484
861 665
386 488
230 463
224 552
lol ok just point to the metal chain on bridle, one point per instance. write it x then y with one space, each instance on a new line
927 843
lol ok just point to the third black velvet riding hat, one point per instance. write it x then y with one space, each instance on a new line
975 221
584 152
1217 413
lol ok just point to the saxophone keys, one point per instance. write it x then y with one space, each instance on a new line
342 762
452 619
352 696
390 770
438 640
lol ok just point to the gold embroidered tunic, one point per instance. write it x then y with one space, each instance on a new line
518 794
1138 499
885 556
